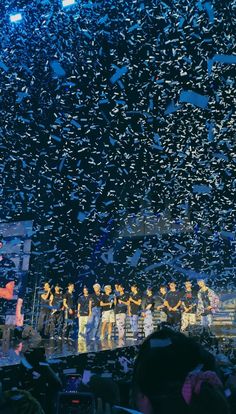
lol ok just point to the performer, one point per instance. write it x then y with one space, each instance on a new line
135 301
56 303
43 325
108 315
189 305
173 303
148 307
69 311
121 305
84 312
161 297
94 320
208 304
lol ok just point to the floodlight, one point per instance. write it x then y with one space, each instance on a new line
15 18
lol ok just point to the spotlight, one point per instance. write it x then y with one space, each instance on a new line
66 3
15 18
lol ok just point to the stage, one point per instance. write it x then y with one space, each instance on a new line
12 351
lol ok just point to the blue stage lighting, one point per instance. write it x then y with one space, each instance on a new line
66 3
15 18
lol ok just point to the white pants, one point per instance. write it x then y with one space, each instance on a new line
120 323
187 319
83 321
163 317
147 323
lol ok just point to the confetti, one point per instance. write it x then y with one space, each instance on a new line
118 139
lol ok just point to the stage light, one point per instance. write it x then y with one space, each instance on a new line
66 3
15 18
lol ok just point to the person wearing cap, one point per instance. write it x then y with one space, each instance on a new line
95 317
108 315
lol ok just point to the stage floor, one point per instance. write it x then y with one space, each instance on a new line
11 352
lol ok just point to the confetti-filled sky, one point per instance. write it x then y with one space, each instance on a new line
117 137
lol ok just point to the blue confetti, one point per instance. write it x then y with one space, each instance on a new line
201 189
57 69
194 98
4 67
224 59
210 11
118 74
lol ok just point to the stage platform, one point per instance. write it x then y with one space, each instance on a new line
12 351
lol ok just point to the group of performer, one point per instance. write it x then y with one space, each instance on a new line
100 311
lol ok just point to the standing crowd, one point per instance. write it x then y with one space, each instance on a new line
100 311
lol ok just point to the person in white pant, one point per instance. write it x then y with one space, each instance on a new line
84 312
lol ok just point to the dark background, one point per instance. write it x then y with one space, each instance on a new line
122 180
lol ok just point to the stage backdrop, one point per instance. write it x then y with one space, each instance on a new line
15 250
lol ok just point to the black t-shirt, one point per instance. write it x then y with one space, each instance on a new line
57 301
44 303
107 299
95 299
160 299
189 299
83 301
173 298
135 309
121 307
148 300
69 300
